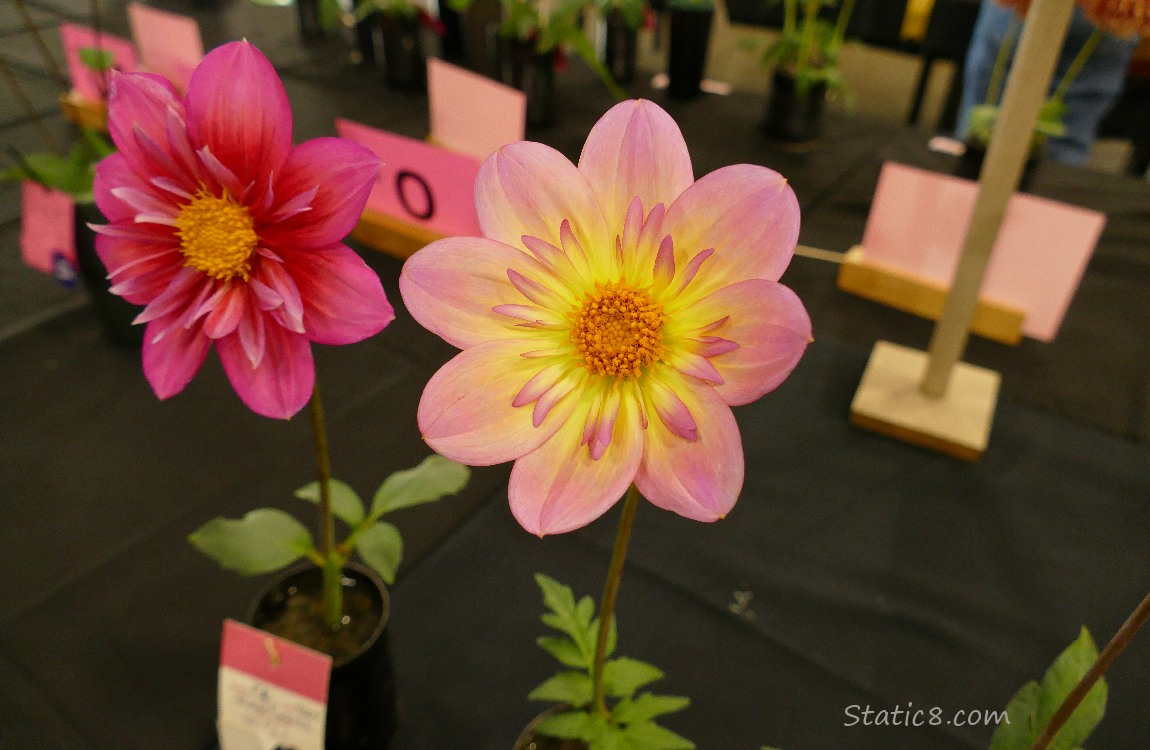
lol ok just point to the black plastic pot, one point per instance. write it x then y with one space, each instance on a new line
792 115
403 66
361 695
619 51
687 53
969 165
533 73
114 313
309 21
369 41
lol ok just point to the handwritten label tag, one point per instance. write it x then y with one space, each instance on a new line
420 183
169 44
46 231
272 692
470 113
918 221
87 83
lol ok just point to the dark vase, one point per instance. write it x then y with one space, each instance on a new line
114 313
454 49
361 695
481 41
533 73
310 26
528 740
969 165
687 55
619 50
403 67
792 115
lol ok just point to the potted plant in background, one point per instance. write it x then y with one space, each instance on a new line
804 64
231 238
622 19
687 50
399 23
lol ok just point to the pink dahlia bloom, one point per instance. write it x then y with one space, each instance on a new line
609 318
229 234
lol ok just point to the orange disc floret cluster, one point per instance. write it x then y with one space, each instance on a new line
618 330
1119 17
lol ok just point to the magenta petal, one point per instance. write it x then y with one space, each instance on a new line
172 355
139 100
344 173
748 214
114 172
282 383
237 107
144 281
343 300
559 488
698 479
636 149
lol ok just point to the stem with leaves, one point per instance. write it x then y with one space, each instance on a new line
1005 50
330 563
1077 64
610 592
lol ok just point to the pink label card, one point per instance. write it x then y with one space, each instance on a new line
87 83
918 223
420 183
46 232
470 113
169 44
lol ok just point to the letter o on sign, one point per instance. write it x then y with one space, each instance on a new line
409 186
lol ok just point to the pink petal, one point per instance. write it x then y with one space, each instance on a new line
172 355
466 411
451 286
237 106
144 281
700 480
529 189
344 173
748 214
139 100
114 172
771 327
282 383
343 300
225 316
635 149
559 488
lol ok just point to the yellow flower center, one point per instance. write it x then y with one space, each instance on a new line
216 235
618 330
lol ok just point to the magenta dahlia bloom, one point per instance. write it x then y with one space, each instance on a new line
610 317
228 234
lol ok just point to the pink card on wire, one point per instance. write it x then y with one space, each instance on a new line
470 113
87 83
420 183
169 44
46 232
918 223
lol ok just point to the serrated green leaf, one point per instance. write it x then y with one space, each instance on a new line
381 547
97 59
648 735
585 611
569 725
345 502
433 478
1059 680
561 601
563 649
262 541
646 706
1020 731
566 687
623 676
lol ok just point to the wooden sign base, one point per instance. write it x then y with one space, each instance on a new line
923 297
888 401
390 235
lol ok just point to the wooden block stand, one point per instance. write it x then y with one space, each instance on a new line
390 235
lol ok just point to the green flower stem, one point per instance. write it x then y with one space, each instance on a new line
1077 64
807 45
610 591
57 73
842 21
994 87
332 564
1117 644
790 11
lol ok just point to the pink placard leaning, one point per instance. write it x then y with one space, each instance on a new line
420 183
918 223
46 231
87 83
470 113
169 44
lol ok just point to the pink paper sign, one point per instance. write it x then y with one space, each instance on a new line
918 224
470 113
275 661
419 183
46 232
87 83
169 43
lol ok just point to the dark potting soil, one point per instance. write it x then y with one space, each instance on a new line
301 620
